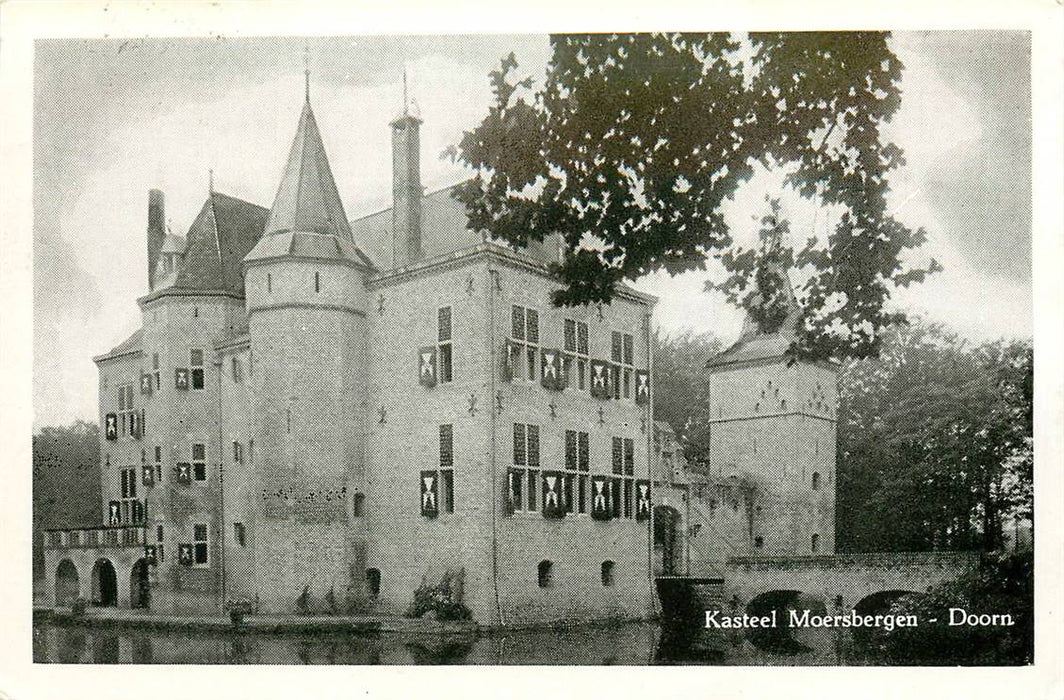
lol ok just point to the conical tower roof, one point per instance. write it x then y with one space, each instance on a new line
307 200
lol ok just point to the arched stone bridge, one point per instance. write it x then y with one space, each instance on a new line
849 578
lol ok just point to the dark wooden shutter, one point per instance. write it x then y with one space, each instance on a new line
517 323
600 498
629 456
642 499
181 378
519 444
430 494
111 426
618 456
426 363
570 450
145 384
446 446
533 445
553 495
584 453
642 386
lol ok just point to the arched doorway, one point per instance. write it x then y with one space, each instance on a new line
668 554
67 586
104 584
139 588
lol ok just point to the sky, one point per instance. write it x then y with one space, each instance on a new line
114 118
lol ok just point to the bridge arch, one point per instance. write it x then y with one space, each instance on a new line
880 601
104 583
67 584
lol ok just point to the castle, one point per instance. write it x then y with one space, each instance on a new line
324 414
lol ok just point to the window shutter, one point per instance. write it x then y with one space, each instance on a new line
184 473
629 349
517 323
148 478
532 322
446 446
114 513
134 425
519 444
513 490
600 379
145 384
618 456
629 456
584 453
427 366
570 450
551 369
430 499
600 498
110 430
615 346
444 325
570 335
181 378
509 360
184 554
642 386
553 500
642 499
533 445
581 338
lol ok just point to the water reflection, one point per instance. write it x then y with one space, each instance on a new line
623 644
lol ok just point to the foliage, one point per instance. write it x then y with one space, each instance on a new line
633 143
1003 585
443 600
61 457
935 438
681 388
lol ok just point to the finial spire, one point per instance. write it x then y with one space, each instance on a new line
306 69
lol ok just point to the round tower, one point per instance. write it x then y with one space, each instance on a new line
306 304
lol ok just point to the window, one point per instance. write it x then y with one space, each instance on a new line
129 483
238 371
269 283
195 361
623 467
199 537
622 353
577 466
317 281
445 355
759 542
607 573
359 502
125 410
816 481
814 543
238 452
576 352
526 466
524 337
239 534
545 573
199 462
155 371
373 582
158 464
159 540
447 468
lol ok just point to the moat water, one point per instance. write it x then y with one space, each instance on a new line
620 644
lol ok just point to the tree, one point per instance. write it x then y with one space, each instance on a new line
633 142
935 439
681 388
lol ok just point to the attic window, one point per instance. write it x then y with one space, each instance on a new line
195 312
269 283
317 281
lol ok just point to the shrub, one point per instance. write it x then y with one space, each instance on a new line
444 599
1003 584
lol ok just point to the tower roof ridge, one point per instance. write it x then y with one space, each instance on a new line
307 199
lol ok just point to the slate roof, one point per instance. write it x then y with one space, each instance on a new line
130 344
307 200
753 345
307 218
443 231
223 232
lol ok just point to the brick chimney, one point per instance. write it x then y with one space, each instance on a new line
156 232
406 190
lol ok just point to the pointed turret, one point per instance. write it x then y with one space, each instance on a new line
307 200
